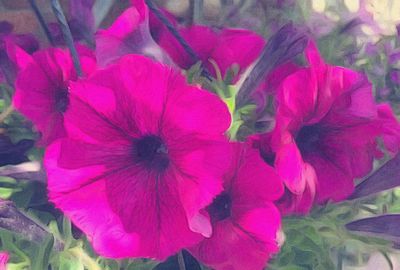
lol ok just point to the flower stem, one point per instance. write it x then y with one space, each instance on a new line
181 261
42 22
58 12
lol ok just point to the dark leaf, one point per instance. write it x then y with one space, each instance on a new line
386 177
385 227
13 153
41 20
282 47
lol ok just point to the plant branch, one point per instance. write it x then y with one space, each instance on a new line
42 22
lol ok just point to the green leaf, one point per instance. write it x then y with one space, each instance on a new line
68 263
42 259
6 193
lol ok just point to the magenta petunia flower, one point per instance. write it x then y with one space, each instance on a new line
129 34
144 153
42 88
244 218
227 47
326 129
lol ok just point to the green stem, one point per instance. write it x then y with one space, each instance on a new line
41 20
58 12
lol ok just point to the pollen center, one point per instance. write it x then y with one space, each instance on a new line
151 151
220 208
61 100
308 137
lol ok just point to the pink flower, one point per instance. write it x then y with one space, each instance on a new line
4 257
129 34
325 135
144 153
245 220
227 47
42 89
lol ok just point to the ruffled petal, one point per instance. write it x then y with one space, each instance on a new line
333 181
129 34
243 244
289 165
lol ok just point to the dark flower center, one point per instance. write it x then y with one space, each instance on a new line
151 151
308 137
221 207
61 100
269 157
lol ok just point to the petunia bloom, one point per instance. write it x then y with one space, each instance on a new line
144 153
41 92
227 47
326 130
244 218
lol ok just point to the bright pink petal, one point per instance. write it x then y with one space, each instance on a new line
163 94
245 222
289 165
313 57
197 166
269 185
333 181
236 47
129 34
201 38
226 47
291 203
294 102
36 89
244 244
186 110
91 106
151 208
277 76
88 206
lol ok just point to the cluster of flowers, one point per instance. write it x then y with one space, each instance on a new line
140 161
